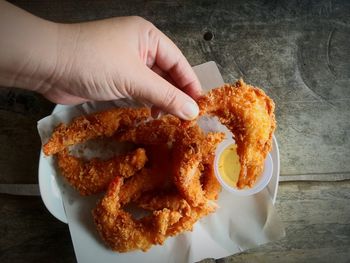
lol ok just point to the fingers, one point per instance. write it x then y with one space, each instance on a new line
163 74
169 59
165 96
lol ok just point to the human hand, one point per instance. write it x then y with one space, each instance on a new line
124 57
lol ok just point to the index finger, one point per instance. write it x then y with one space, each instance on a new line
170 60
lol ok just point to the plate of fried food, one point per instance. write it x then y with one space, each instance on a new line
136 188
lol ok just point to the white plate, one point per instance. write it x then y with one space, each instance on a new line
51 194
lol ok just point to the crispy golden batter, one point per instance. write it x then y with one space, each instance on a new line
186 164
91 126
93 176
122 232
174 202
144 180
167 199
210 184
249 113
192 150
157 131
186 222
155 176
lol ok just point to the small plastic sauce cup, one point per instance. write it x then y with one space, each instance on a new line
261 181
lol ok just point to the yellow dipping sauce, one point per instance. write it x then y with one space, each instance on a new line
229 166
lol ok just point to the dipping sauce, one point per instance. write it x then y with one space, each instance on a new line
229 166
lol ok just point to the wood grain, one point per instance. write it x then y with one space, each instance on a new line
19 141
29 233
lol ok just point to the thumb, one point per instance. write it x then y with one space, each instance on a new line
156 90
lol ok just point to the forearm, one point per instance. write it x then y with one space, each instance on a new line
28 48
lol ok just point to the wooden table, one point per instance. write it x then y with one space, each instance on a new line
297 51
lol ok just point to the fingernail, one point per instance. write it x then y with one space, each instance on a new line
190 110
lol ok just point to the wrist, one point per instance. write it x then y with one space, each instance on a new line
55 62
28 48
36 57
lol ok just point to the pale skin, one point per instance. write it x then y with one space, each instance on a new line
123 57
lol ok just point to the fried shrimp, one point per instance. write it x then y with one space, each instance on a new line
249 114
174 202
122 232
93 176
144 180
152 132
191 149
186 164
167 199
210 184
155 176
87 127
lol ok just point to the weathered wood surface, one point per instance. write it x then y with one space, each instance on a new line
19 141
29 233
298 51
316 217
